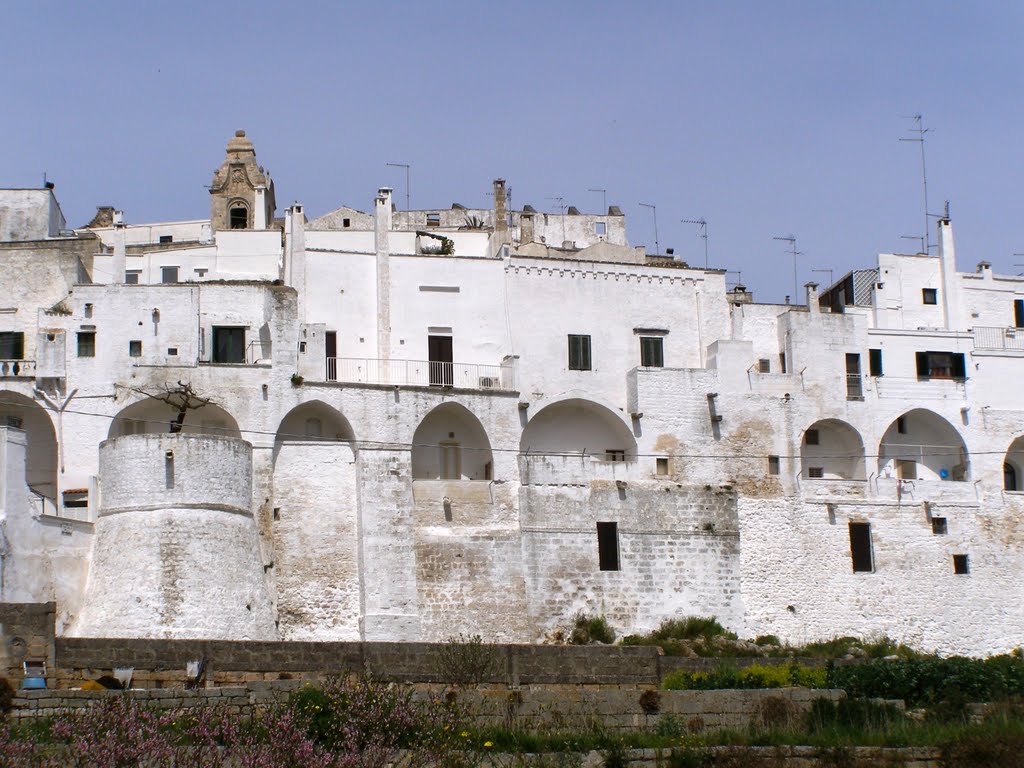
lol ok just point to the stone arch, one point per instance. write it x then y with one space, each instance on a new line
1013 466
313 421
239 216
831 450
921 445
151 417
41 459
577 425
451 444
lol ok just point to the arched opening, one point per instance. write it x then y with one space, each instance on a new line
1013 466
314 421
921 445
451 444
238 216
149 417
578 426
20 412
831 450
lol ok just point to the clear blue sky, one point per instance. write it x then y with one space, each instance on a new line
766 118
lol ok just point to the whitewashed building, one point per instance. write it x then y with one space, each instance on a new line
420 423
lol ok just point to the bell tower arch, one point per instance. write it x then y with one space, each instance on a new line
241 193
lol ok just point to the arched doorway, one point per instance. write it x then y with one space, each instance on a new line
451 444
149 416
1013 466
20 412
831 450
578 427
921 445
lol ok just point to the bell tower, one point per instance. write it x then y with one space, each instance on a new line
241 193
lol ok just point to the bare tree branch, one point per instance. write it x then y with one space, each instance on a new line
180 397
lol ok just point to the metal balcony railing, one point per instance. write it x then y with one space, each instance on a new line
422 373
12 368
999 338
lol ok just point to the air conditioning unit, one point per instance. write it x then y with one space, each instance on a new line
488 382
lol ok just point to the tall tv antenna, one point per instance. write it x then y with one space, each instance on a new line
604 199
823 271
920 130
703 233
408 207
791 239
561 209
915 237
654 210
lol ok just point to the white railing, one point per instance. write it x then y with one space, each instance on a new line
919 389
422 373
10 368
999 338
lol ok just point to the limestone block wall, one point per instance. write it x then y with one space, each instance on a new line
316 550
799 584
176 552
678 551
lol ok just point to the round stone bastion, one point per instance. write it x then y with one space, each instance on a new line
176 551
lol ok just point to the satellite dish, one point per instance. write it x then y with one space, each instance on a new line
944 473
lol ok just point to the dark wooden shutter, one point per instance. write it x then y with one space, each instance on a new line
922 365
959 367
875 362
1018 313
860 547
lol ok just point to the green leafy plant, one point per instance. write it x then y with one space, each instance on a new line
588 629
464 661
297 380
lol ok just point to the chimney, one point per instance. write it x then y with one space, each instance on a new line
381 234
500 215
119 263
812 298
947 267
526 224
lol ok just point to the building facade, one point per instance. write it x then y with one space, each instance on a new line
406 425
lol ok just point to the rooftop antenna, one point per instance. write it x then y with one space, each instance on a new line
739 276
561 209
1019 265
918 238
408 207
703 233
920 130
604 198
654 210
791 239
823 271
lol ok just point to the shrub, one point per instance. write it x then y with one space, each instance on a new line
466 661
590 629
650 702
752 677
851 714
691 628
767 640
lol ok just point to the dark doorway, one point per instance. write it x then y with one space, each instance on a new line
439 351
228 345
331 353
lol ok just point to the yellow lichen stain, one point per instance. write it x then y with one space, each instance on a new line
666 443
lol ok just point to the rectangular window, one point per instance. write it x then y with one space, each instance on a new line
615 454
1018 313
816 473
773 465
131 276
651 352
929 296
87 343
961 565
134 349
599 228
906 469
346 223
168 274
901 425
854 384
812 437
860 548
661 467
764 365
76 499
939 526
608 546
433 219
166 239
579 352
875 362
228 345
941 365
782 362
12 345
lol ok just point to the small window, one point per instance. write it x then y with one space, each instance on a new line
939 526
816 473
12 345
875 362
961 565
200 271
239 217
131 277
433 219
168 274
88 310
941 365
652 352
1009 477
608 546
346 223
314 427
860 548
901 425
166 238
764 365
172 351
579 352
661 466
614 454
773 465
134 349
906 469
1018 313
87 343
929 296
600 228
76 499
812 437
228 345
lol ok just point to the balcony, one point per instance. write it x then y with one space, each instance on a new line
999 339
10 369
420 373
912 388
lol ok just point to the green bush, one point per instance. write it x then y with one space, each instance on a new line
752 677
590 629
6 696
849 714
